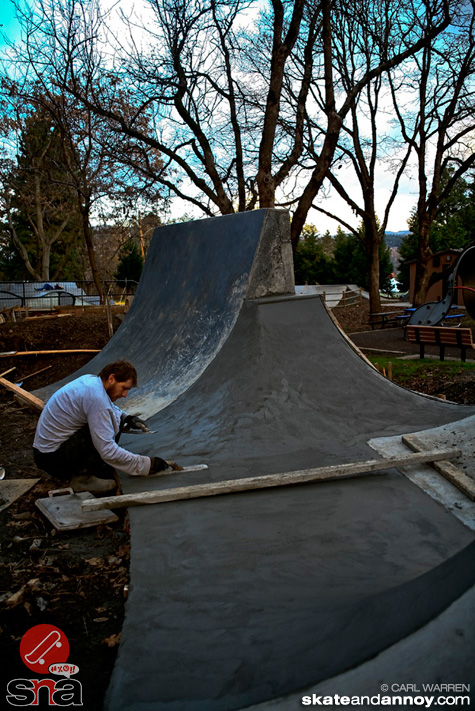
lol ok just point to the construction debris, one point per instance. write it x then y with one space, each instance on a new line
12 489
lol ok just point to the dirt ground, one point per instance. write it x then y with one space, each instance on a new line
77 580
74 580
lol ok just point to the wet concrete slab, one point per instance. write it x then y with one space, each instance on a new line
252 596
256 595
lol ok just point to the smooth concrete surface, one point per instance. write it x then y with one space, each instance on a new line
254 596
441 652
241 599
285 392
194 280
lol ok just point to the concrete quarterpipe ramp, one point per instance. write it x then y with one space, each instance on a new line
239 599
191 290
256 595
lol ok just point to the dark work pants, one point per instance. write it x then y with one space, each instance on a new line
77 456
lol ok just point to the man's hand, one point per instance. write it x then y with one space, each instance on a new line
158 465
132 422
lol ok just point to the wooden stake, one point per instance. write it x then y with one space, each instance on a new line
390 370
339 471
448 470
110 327
45 316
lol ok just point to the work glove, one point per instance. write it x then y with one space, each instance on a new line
158 465
132 422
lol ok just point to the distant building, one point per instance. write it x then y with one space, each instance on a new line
439 269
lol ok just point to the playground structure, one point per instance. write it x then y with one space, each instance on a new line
434 312
248 598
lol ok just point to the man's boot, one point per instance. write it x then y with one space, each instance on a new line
92 484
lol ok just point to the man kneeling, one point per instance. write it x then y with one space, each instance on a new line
78 431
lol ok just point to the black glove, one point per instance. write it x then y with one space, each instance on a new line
132 422
158 465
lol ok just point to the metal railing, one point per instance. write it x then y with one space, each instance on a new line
47 295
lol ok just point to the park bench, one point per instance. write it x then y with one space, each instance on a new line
384 318
442 336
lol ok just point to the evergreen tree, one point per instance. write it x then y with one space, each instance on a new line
351 262
130 265
312 258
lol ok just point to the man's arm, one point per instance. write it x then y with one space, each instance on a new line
103 437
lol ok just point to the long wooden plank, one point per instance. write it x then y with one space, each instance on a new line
339 471
9 354
23 395
448 470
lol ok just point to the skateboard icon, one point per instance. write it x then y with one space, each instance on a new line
37 655
42 646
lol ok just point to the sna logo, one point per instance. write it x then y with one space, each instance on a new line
45 649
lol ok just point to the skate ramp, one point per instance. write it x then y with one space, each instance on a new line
287 391
238 599
242 598
195 278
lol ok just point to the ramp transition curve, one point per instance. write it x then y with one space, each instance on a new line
194 280
254 596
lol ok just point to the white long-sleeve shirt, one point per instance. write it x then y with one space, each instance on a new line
85 401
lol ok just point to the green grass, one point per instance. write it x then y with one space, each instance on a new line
421 369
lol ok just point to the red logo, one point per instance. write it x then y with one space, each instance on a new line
42 646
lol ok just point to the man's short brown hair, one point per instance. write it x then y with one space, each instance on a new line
122 370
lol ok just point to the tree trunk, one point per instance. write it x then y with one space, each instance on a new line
281 50
20 246
424 255
45 258
84 208
373 263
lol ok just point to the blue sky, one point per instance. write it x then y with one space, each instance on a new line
404 202
8 21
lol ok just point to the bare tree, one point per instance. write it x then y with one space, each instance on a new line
206 84
38 206
437 121
98 166
371 39
364 145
